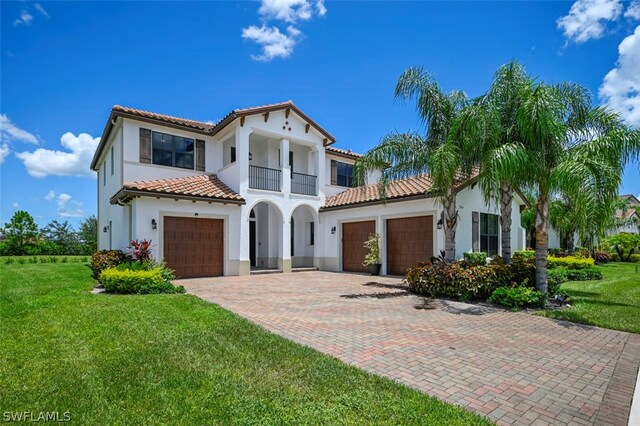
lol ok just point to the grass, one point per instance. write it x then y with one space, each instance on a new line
613 302
175 359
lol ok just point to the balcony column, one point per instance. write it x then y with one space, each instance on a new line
286 167
242 156
320 172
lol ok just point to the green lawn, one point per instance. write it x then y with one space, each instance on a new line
613 302
175 359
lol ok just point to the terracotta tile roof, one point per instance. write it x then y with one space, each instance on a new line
199 125
207 187
345 152
403 188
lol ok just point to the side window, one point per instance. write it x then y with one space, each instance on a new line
174 151
104 173
112 165
344 174
233 154
312 236
489 233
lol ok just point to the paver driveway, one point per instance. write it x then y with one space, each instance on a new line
515 368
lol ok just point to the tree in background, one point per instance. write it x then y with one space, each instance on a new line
63 235
441 152
22 234
88 234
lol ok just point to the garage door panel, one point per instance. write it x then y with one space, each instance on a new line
354 235
409 240
194 247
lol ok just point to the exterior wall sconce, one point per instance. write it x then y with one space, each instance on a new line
439 223
154 224
250 156
105 229
333 230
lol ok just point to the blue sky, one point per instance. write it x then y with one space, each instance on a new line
64 64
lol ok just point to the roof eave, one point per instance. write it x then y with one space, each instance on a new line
125 195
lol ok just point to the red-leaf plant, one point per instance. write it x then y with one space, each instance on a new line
141 250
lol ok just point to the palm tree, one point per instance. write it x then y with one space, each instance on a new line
440 152
570 148
501 169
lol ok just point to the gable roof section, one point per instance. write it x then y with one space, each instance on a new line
196 188
243 112
631 199
197 126
414 187
342 152
397 190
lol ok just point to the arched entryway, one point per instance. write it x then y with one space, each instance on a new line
265 236
303 224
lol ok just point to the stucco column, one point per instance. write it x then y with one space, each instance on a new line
242 157
286 168
320 172
284 261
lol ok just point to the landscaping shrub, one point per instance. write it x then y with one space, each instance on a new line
623 244
138 281
557 252
633 258
587 274
476 258
457 280
601 256
517 297
9 261
140 250
523 269
555 277
570 262
104 259
527 254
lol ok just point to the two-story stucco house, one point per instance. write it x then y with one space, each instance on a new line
265 189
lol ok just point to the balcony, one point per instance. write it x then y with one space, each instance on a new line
303 184
265 178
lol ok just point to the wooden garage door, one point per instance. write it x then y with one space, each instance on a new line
353 237
194 247
409 240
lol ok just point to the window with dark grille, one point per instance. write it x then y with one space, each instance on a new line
489 233
174 151
344 174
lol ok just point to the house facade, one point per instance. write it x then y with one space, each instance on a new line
265 189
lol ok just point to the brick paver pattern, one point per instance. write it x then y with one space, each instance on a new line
514 368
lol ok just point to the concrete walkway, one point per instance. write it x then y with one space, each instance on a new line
514 368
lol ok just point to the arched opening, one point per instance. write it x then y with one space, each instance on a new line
303 237
265 237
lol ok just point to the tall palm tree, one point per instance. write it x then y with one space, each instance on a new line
501 169
572 148
439 152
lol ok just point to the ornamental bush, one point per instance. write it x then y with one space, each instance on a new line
526 254
570 262
458 280
139 281
476 258
104 259
516 298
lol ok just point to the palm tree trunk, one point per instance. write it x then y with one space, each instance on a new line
506 198
542 242
450 224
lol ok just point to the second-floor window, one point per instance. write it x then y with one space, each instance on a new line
341 174
174 151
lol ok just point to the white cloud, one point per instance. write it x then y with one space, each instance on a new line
4 151
322 9
274 43
41 9
25 18
286 10
50 195
63 206
633 11
620 88
75 162
9 132
15 206
586 19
